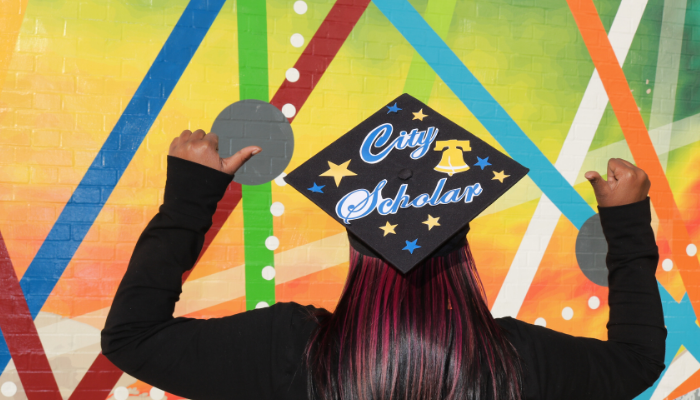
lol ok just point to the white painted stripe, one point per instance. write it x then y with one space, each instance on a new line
292 264
667 65
685 132
65 342
571 158
58 333
289 265
678 372
77 340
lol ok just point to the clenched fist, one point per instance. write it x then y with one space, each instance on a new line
626 184
203 149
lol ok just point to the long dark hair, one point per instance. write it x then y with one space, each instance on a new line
424 335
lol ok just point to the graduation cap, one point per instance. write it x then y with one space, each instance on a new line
405 182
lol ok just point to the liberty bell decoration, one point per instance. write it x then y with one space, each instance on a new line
453 158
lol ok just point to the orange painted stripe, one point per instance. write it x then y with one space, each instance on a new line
11 17
686 387
672 226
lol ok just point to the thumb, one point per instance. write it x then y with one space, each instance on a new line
231 164
600 186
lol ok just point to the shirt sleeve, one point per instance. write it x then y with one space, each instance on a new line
256 354
560 366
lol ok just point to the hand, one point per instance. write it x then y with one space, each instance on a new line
626 184
203 149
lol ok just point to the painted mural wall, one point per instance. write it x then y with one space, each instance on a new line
92 93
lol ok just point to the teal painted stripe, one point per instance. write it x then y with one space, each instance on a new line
257 220
421 77
485 108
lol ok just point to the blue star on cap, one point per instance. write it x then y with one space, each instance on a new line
316 188
410 246
395 108
483 162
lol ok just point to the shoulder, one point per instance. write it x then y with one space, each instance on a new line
292 326
519 334
295 316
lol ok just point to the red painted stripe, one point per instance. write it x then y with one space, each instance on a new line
98 380
312 64
319 53
225 207
21 335
672 226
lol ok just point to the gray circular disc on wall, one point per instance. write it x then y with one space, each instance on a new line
254 122
591 250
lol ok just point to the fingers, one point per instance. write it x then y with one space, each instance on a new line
231 164
213 138
612 166
627 163
202 148
189 136
173 144
600 186
623 170
626 184
198 135
185 135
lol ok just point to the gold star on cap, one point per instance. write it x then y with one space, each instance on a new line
388 228
500 176
419 115
431 222
338 171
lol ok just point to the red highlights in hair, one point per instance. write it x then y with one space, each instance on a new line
424 335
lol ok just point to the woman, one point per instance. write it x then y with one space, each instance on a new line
424 335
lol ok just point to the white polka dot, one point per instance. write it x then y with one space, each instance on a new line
121 393
289 110
268 273
8 389
272 243
297 40
292 75
280 179
300 7
667 264
593 303
277 209
541 321
691 250
262 304
156 394
567 313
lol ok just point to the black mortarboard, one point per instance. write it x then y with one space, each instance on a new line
405 182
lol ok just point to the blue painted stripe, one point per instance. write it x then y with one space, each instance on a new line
682 331
115 155
485 108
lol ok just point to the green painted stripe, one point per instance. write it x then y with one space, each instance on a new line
421 77
252 49
257 220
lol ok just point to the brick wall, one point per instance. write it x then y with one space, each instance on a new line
82 173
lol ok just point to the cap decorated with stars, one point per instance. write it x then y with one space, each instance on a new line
405 182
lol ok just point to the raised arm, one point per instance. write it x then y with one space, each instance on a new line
204 359
560 366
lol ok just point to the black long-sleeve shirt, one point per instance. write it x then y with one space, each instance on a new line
258 354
